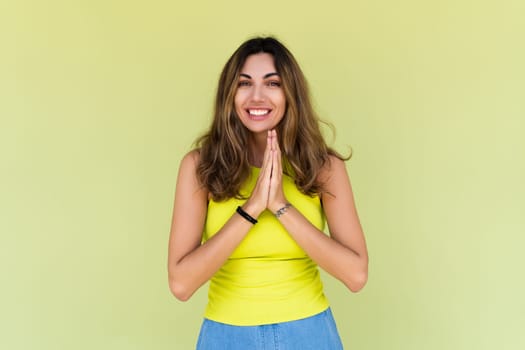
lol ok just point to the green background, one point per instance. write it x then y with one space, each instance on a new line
99 100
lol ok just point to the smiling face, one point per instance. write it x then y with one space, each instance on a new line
260 102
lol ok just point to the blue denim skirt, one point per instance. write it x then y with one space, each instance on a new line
317 332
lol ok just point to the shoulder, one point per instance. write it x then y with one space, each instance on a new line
188 167
333 167
190 160
188 175
333 177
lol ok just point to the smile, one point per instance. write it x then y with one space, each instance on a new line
258 112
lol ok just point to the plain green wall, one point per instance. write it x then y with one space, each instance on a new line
99 100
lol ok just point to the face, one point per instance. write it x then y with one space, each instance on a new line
259 101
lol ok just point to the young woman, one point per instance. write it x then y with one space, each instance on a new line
250 208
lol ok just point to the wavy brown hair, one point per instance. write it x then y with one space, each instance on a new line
224 166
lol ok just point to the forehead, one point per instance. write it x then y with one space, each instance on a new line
258 65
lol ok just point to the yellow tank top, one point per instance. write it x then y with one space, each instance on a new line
268 278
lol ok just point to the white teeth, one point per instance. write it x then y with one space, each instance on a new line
258 111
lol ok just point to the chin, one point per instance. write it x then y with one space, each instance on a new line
259 128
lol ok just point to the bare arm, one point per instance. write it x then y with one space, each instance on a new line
344 254
190 263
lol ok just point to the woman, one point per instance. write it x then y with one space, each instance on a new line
250 207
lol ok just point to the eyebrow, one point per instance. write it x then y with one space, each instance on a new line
264 77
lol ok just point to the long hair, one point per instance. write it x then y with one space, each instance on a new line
224 166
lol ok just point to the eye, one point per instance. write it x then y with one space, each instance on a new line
244 83
274 83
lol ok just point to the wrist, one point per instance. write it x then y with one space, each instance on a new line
279 206
246 216
252 209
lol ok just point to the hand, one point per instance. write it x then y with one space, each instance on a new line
268 191
276 198
258 200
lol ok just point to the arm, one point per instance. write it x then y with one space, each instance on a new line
190 263
343 254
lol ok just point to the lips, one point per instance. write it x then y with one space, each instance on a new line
258 112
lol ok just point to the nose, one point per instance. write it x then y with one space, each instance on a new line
257 93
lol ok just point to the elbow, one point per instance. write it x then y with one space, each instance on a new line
179 290
357 281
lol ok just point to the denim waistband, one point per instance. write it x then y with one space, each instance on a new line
317 332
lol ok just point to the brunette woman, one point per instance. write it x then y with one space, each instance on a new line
250 208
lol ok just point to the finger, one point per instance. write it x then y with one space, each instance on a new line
268 147
276 180
266 171
279 161
272 142
267 152
277 153
274 169
262 187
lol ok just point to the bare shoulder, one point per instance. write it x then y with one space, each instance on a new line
191 159
187 178
333 170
